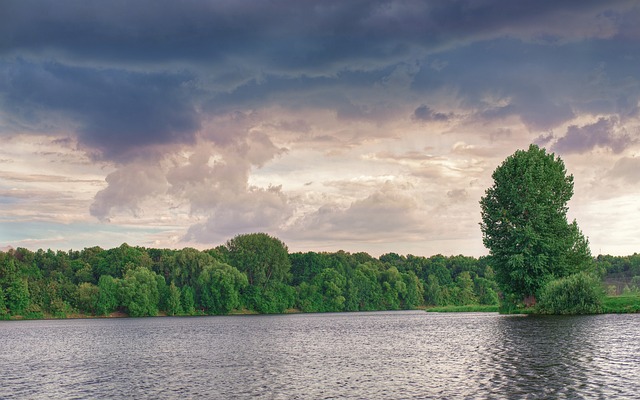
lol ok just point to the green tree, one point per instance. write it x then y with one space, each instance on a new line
219 288
163 292
3 308
174 305
331 285
88 295
364 292
412 298
271 299
139 292
309 298
437 266
184 266
18 296
187 298
524 223
107 296
465 294
117 261
393 288
83 272
433 291
305 266
263 258
486 291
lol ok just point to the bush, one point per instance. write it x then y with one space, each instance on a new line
33 311
579 293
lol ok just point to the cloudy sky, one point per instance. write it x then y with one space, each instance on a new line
357 125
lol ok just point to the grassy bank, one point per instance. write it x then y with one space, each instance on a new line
611 305
621 304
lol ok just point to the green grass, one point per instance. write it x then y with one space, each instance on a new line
469 308
621 304
610 305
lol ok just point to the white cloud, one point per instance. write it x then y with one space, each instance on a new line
127 187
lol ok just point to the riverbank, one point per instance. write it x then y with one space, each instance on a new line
468 308
624 304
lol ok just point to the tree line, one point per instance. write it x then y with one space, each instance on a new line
250 273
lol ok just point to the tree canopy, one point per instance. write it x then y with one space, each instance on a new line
524 223
263 258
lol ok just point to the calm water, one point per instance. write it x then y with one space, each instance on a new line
391 355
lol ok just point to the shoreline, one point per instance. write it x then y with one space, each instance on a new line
623 304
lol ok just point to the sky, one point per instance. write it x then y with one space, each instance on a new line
355 125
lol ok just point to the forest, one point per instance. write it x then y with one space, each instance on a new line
251 273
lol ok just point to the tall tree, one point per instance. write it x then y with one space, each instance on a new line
107 295
187 299
18 296
139 292
87 297
263 258
174 305
524 223
219 287
3 307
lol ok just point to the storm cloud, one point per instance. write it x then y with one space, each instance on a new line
585 138
117 114
367 121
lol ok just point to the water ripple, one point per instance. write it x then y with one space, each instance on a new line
398 355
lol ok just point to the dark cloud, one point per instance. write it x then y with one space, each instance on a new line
545 85
285 34
424 113
541 113
543 140
288 35
343 93
189 98
117 113
128 77
585 138
506 77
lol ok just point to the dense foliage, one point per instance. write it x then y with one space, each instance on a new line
253 273
524 224
145 281
579 293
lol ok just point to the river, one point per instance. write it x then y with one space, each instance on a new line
376 355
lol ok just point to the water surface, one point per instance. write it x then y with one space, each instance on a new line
409 354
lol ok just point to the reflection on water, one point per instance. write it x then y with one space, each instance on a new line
352 355
550 357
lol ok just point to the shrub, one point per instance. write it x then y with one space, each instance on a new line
579 293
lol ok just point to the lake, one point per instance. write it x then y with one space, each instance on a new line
376 355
